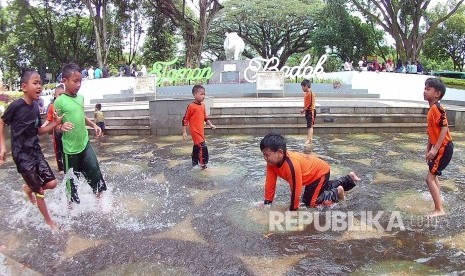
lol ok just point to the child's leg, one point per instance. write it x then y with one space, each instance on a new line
313 191
71 161
58 147
434 188
309 135
195 155
91 170
44 211
29 194
203 155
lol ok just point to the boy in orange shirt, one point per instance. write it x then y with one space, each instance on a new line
301 170
56 136
195 117
440 148
309 108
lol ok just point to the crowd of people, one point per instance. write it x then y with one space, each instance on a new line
408 67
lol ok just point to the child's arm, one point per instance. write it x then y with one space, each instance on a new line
434 150
45 123
2 143
97 129
50 126
210 124
184 132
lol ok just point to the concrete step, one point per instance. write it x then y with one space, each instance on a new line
124 130
283 119
128 121
245 110
121 113
263 129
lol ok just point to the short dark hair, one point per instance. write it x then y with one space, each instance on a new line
196 88
98 106
274 142
26 74
437 84
306 83
69 69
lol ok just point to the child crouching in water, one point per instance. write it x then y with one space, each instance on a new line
301 171
23 116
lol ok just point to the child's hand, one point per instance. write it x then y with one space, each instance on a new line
57 119
98 131
66 126
302 111
431 154
213 126
184 135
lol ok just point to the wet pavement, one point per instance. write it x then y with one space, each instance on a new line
160 216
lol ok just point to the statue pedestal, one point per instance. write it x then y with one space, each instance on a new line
228 71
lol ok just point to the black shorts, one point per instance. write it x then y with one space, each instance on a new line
101 125
310 117
38 176
442 159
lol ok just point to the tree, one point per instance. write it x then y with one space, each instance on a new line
105 25
160 40
403 20
45 37
264 30
347 37
194 29
448 41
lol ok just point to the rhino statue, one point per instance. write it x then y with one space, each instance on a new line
233 46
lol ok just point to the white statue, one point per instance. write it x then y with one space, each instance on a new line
233 46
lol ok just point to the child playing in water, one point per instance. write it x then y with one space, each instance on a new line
309 109
78 153
195 117
440 148
301 170
23 116
56 136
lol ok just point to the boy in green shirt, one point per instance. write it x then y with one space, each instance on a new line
78 153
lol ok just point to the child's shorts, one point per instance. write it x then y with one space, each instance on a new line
310 117
38 176
101 125
442 159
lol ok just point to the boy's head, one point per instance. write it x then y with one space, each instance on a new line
31 84
305 84
98 107
434 89
59 89
71 78
198 91
273 147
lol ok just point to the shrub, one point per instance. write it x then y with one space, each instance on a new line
454 83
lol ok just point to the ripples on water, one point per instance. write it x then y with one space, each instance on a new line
160 215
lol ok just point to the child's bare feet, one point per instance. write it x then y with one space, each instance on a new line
308 142
437 213
354 176
29 194
340 192
52 225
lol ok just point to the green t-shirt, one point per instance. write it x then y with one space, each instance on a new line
74 140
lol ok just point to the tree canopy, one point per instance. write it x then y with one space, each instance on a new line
408 22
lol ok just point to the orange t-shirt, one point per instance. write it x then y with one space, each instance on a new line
299 170
195 117
436 120
309 101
